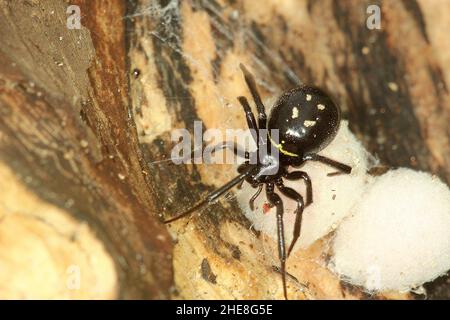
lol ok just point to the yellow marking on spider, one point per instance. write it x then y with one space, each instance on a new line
280 147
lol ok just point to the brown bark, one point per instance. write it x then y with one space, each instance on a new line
64 117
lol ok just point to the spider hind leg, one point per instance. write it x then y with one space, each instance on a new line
276 201
294 195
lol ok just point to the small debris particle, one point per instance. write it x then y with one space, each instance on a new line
84 143
234 15
68 155
320 106
332 174
308 97
121 176
207 273
136 73
334 196
378 170
393 86
365 50
235 252
142 269
69 203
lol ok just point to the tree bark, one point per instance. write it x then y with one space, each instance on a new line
65 119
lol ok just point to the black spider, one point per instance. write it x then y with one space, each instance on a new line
307 120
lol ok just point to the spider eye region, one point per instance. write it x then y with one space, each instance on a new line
307 120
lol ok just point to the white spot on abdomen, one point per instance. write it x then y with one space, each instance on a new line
309 123
294 112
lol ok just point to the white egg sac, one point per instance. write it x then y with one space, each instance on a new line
398 234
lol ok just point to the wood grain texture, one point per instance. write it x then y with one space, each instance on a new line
64 115
47 254
97 129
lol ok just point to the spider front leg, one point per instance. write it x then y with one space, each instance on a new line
213 196
275 200
294 195
251 122
250 80
210 151
237 150
242 168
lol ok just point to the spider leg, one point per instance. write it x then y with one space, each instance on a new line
330 162
213 196
251 122
241 169
251 202
275 200
237 150
250 80
297 175
294 195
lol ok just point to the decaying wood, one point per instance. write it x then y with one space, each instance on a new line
45 253
65 122
87 116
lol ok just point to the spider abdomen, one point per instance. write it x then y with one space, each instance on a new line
307 120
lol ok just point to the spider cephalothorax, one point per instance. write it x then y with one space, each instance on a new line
306 120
